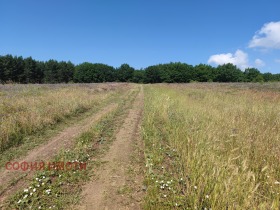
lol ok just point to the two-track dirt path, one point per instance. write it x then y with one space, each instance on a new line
64 139
118 184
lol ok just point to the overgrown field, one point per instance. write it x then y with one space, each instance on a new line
210 146
59 189
207 145
25 109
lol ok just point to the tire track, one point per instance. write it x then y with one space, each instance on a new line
11 181
104 193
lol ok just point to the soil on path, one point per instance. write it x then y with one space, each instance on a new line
64 139
118 184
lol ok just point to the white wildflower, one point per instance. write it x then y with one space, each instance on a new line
48 191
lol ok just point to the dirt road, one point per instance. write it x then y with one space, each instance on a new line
118 183
12 180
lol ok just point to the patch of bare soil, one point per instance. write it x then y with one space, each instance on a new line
12 180
118 183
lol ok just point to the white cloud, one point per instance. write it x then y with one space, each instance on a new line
259 63
277 60
267 37
239 58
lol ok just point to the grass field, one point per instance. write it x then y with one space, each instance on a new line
212 146
25 109
205 145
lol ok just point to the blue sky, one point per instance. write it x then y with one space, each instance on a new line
143 33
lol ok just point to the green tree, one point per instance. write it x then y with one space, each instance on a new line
204 73
259 78
268 77
229 73
2 78
276 77
88 72
125 73
152 75
8 66
18 72
65 71
138 76
31 72
251 74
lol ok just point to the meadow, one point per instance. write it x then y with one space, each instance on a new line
212 146
25 109
200 146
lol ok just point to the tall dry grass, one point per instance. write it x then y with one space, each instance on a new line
25 109
212 147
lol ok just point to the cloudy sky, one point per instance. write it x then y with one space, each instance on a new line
143 33
266 41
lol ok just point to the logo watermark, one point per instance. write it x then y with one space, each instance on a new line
41 166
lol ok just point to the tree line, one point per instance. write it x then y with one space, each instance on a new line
14 69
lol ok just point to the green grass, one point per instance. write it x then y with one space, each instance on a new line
28 142
27 109
209 147
62 188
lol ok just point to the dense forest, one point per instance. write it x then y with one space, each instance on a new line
14 69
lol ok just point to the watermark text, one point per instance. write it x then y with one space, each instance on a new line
41 166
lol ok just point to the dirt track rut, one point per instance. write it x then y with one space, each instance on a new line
107 190
65 139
